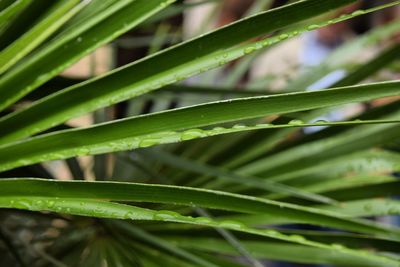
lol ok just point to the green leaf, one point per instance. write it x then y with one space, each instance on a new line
148 130
11 10
136 232
276 251
368 207
102 22
155 71
322 150
224 175
27 190
56 18
76 203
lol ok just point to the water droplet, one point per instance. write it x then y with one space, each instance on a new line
165 215
203 220
23 204
149 142
128 215
367 207
283 36
231 224
178 77
297 238
337 246
218 129
249 49
221 62
263 125
272 232
239 126
50 203
83 151
98 211
312 27
296 122
192 134
267 42
321 122
79 39
38 202
358 13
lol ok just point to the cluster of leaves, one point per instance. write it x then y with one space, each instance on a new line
189 182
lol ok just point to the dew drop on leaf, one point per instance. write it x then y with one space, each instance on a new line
239 126
296 122
203 220
23 204
297 238
272 232
231 224
263 125
337 246
149 142
50 203
312 27
218 129
38 202
358 13
283 36
249 49
165 215
192 134
128 215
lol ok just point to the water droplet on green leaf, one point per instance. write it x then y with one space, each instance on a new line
296 122
239 126
283 36
203 220
358 13
148 142
297 238
192 134
165 215
231 224
312 27
338 246
249 49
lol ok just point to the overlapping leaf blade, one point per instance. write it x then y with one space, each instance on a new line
171 65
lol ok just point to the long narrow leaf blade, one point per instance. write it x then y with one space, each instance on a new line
159 69
123 134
